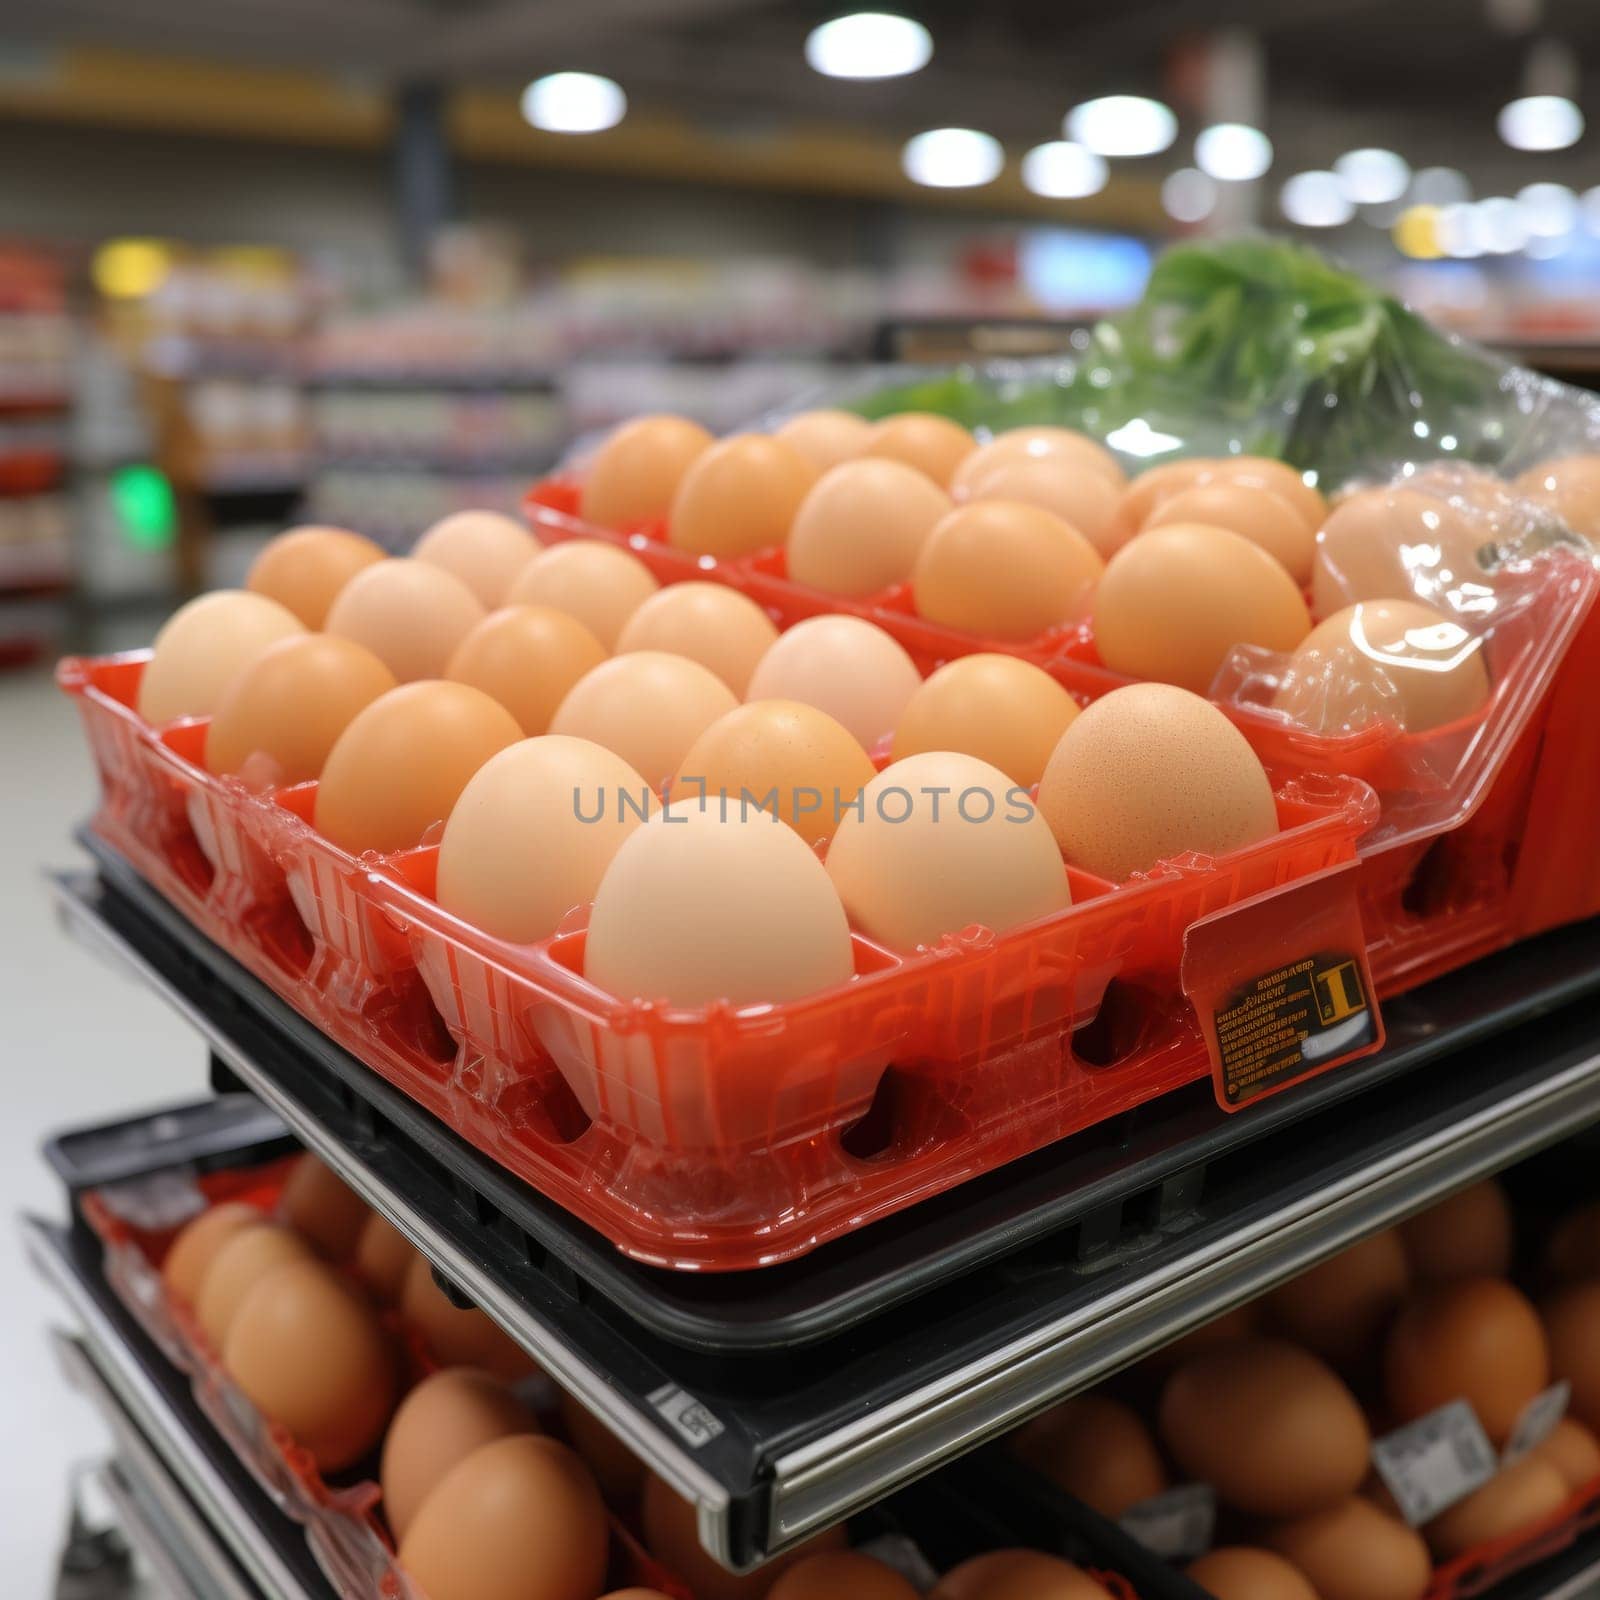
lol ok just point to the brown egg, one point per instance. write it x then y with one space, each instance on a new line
669 1524
1268 1425
647 707
1572 1327
281 716
323 1209
1341 1309
935 446
1256 514
1574 1248
1150 772
383 1257
781 757
634 1594
1231 1326
944 842
518 1519
533 833
204 646
1518 1498
862 525
1004 570
1467 1235
457 1336
440 1423
725 631
841 1575
1474 1339
1081 497
527 658
1354 1551
240 1263
1382 542
845 666
484 549
739 497
1017 1575
618 1471
1097 1450
1000 709
635 473
1265 473
695 908
1175 601
1062 447
190 1255
1237 1572
1571 487
1395 659
305 568
825 438
1153 486
410 614
311 1357
597 583
1573 1451
400 765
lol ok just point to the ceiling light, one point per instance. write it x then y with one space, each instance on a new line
1372 177
869 44
574 102
1591 209
1416 233
1233 151
1439 186
1458 232
1500 226
1549 210
1122 125
1188 195
952 158
1316 200
1540 122
1062 170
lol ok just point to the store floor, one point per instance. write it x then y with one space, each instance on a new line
80 1043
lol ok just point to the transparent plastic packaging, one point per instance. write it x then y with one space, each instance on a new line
707 1138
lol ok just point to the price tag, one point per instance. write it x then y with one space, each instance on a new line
1431 1463
1537 1422
1177 1525
1281 986
905 1557
155 1201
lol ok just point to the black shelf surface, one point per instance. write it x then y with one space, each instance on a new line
968 1314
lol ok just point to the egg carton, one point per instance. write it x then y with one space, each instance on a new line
342 1517
711 1137
1427 911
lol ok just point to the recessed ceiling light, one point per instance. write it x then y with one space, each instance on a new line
1233 151
869 44
1062 170
1439 186
1500 225
1540 122
574 102
953 158
1188 195
1372 177
1549 210
1122 125
1316 200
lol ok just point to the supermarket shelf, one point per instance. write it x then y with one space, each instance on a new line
204 1492
774 1446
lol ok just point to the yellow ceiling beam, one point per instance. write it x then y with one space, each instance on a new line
112 88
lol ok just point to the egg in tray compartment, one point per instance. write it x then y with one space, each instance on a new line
622 871
1281 1452
423 1451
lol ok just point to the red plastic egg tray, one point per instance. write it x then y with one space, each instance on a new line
708 1138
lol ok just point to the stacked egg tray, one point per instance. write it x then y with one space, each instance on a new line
711 1138
1483 838
956 1515
342 1519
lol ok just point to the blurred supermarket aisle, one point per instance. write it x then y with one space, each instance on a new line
67 1060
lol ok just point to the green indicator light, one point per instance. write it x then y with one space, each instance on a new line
143 500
